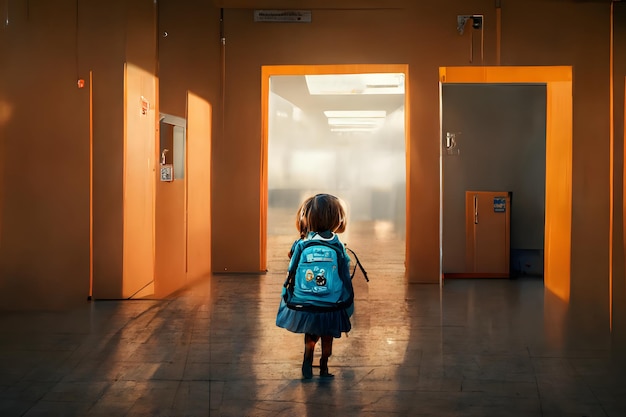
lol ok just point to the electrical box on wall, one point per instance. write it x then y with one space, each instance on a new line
167 173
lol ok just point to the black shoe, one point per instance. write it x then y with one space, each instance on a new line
324 369
307 370
307 366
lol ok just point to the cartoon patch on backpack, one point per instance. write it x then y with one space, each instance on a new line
320 278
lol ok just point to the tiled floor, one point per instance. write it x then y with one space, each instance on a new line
471 348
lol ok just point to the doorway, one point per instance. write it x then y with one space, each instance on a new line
338 130
494 141
558 157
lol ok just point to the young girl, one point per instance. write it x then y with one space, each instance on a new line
319 217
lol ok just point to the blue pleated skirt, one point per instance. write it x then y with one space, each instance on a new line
327 323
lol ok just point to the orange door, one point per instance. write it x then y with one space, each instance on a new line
487 227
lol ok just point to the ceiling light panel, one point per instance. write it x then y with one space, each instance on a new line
355 121
355 113
346 84
351 130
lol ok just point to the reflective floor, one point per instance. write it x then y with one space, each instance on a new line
471 348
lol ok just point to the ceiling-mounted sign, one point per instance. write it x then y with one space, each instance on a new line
284 16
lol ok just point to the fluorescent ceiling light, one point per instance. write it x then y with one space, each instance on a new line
351 129
342 84
355 121
355 113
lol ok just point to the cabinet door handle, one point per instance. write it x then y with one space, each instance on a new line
475 209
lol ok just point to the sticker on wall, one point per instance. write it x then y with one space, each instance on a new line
145 106
499 204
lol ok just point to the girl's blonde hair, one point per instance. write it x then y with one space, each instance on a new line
320 213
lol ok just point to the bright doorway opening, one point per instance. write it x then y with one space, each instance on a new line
338 130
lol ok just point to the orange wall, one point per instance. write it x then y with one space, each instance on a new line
199 188
140 153
44 230
533 33
619 277
102 50
169 270
343 37
189 87
588 51
44 249
139 180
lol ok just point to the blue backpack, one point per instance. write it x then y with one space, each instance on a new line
319 279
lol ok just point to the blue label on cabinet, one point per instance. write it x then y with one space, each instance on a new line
499 204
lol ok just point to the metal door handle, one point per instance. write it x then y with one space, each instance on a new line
475 209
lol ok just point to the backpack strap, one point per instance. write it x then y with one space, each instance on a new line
296 251
358 263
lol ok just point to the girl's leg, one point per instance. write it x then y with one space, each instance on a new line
327 351
309 347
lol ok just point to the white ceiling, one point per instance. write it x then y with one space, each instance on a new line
293 88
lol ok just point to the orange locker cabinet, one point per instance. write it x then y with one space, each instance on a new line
487 233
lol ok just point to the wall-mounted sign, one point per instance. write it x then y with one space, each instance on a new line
284 16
